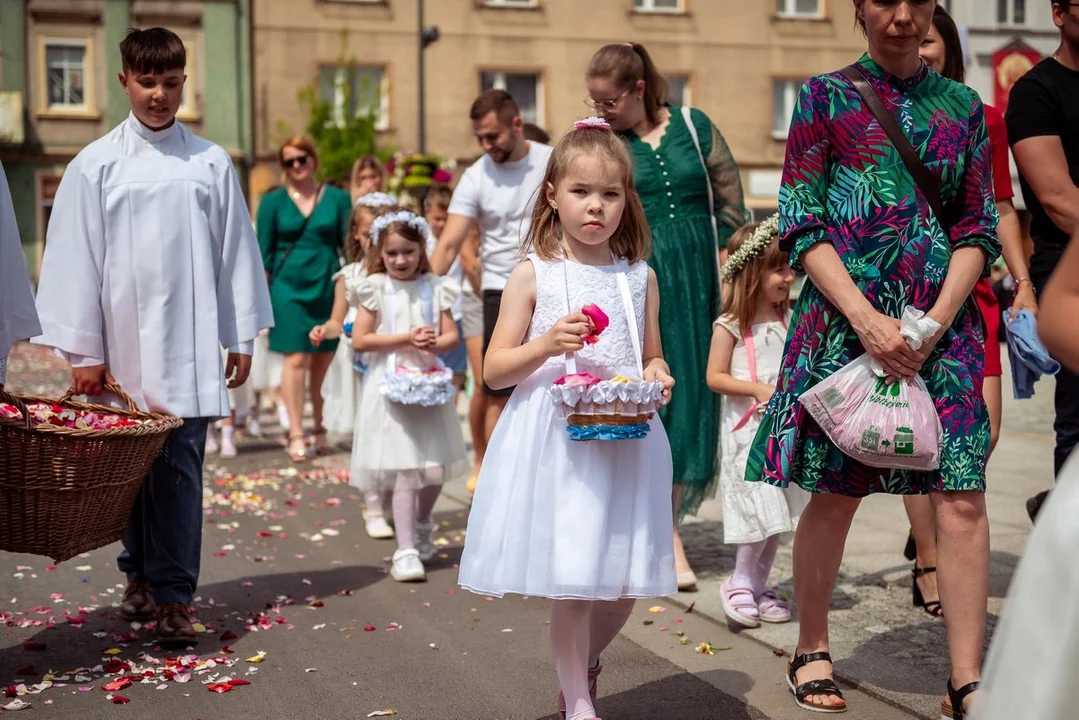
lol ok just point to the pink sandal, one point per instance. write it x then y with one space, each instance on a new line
772 609
593 689
740 606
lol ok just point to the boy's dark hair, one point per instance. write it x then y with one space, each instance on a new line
154 50
500 102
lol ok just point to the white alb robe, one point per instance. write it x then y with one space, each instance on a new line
152 266
18 318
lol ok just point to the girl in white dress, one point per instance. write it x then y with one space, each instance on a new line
587 524
341 388
403 320
743 365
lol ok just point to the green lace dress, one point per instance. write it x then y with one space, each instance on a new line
671 183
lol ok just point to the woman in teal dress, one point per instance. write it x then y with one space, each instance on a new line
301 229
627 90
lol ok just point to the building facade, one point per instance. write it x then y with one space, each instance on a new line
741 61
59 91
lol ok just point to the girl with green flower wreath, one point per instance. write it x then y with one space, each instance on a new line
743 366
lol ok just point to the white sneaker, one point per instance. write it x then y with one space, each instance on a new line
376 526
228 447
407 566
252 428
425 541
212 448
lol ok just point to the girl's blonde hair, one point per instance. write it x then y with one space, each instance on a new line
742 292
365 162
632 240
354 246
375 263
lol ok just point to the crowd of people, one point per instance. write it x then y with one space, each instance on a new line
622 254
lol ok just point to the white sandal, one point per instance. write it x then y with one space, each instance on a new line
738 600
771 609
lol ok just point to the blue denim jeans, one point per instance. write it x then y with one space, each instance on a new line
163 541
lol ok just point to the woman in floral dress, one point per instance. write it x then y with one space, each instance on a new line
854 219
625 87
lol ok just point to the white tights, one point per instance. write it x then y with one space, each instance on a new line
753 564
580 631
412 502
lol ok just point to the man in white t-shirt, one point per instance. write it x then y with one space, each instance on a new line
497 193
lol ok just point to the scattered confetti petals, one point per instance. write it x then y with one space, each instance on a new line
257 658
382 713
657 609
18 704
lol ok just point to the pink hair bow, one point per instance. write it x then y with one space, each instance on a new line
592 123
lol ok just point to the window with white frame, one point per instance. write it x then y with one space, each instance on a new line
525 87
1012 12
784 98
356 91
658 5
799 8
679 94
65 74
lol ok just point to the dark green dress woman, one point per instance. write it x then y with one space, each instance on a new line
301 256
672 184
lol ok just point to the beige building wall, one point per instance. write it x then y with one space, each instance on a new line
730 51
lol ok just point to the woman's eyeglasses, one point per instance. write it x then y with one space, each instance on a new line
606 104
299 161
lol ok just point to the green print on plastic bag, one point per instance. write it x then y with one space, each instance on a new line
888 395
904 441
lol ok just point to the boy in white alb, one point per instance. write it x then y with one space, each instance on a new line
497 192
151 267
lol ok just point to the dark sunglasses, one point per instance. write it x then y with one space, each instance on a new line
300 160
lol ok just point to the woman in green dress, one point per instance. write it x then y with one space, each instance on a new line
694 203
301 228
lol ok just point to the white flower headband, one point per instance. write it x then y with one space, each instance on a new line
592 123
375 200
762 238
404 216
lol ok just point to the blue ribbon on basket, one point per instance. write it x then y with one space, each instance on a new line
607 432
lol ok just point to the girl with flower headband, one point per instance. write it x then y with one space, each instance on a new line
585 523
403 321
743 365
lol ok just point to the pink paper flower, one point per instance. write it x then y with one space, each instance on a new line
592 123
577 380
599 319
442 176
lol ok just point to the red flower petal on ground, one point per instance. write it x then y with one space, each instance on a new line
239 682
228 635
369 628
116 685
120 700
219 688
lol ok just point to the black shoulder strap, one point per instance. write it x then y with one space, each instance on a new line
923 177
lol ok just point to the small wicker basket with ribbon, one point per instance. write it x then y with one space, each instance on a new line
618 408
72 470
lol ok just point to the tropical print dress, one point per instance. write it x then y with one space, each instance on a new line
845 183
673 186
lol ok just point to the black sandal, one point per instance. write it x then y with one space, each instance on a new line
952 706
813 687
933 607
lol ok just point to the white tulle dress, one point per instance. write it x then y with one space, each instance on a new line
563 519
395 443
340 388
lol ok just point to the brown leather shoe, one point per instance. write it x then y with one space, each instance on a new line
174 626
138 603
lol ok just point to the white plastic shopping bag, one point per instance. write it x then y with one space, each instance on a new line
879 424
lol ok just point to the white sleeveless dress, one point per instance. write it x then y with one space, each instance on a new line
340 388
563 519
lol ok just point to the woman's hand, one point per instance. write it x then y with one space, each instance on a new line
567 335
423 338
657 371
1024 299
879 334
763 393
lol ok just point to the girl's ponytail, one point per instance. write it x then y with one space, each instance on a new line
626 64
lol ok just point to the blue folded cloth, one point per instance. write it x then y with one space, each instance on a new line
1029 358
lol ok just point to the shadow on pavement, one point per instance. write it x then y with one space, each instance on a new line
680 697
68 646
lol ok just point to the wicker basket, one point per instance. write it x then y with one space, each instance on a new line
67 491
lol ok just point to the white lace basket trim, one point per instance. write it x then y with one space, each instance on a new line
646 395
418 387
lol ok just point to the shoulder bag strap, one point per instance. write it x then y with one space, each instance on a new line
303 228
923 177
687 116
